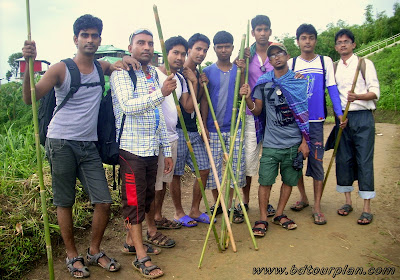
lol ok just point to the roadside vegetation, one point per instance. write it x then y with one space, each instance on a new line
21 227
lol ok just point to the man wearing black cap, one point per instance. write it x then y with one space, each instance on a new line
285 100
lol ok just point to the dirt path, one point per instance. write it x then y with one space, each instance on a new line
340 243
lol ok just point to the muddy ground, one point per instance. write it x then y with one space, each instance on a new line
340 244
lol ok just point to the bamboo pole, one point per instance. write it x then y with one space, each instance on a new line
339 135
182 122
213 168
228 165
39 155
243 116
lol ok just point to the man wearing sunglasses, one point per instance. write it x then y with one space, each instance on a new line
284 99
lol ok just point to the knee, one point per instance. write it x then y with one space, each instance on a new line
103 207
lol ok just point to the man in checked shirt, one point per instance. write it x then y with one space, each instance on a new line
144 131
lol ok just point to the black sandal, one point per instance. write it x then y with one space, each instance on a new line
139 264
260 232
285 225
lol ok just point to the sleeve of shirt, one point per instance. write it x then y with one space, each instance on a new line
164 139
334 95
258 92
123 87
371 79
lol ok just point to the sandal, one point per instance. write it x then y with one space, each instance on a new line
285 225
160 240
204 218
186 221
72 269
319 218
260 232
367 216
219 209
347 208
270 211
238 217
139 264
131 250
111 266
299 205
164 223
239 207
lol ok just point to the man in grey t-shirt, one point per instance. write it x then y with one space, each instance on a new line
70 143
283 138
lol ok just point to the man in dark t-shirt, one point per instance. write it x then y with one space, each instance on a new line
198 47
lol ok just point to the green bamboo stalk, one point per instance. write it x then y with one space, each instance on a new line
214 170
339 135
39 155
182 122
232 136
243 115
227 156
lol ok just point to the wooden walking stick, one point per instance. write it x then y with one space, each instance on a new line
339 135
39 155
182 122
214 170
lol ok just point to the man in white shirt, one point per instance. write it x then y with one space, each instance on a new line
355 154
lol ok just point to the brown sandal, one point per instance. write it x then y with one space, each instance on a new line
160 240
164 223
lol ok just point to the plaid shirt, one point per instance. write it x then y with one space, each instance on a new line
144 129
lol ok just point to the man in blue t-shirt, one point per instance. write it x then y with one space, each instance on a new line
221 84
319 72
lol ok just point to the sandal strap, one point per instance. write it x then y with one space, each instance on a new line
143 260
287 223
74 260
158 238
279 218
94 259
265 223
147 269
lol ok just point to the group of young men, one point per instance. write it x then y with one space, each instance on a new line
284 119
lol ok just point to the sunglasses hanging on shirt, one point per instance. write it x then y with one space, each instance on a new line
262 67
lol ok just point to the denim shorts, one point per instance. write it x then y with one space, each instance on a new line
71 159
315 168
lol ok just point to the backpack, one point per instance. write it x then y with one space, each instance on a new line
48 102
107 143
324 79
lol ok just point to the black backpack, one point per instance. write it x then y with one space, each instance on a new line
48 102
108 145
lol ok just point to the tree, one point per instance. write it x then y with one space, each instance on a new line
13 63
8 75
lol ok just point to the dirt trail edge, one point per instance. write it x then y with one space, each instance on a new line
337 250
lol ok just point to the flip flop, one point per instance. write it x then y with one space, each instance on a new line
185 220
317 216
203 218
299 205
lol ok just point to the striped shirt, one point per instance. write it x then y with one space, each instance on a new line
144 130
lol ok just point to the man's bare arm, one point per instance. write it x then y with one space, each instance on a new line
50 79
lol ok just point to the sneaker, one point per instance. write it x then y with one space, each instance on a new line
270 211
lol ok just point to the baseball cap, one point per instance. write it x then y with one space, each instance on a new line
276 45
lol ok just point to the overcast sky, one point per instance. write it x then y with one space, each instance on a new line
52 20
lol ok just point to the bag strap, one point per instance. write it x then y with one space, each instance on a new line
134 80
75 81
321 57
294 63
101 73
